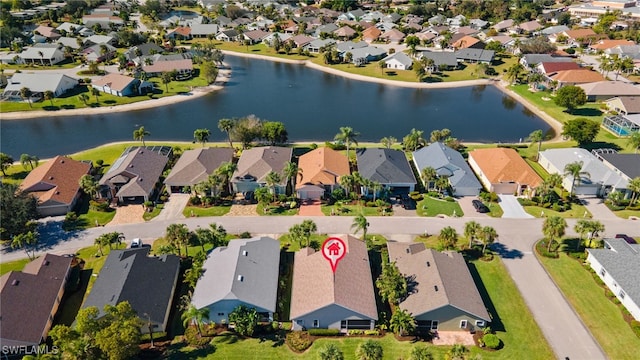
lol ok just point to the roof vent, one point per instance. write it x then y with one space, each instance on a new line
435 287
130 166
240 278
50 177
61 161
46 263
428 265
245 252
140 180
408 251
15 282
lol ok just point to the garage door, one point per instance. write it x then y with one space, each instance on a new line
505 188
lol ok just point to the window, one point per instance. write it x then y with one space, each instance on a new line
603 272
434 325
463 324
220 314
316 323
479 323
621 294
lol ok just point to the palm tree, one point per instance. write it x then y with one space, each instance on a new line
347 136
48 95
201 135
178 235
95 92
41 54
634 187
514 72
448 237
84 98
25 93
488 235
24 241
553 229
536 137
634 141
5 162
369 350
360 223
31 160
402 322
457 352
388 142
308 228
471 231
273 179
227 169
165 77
226 125
442 183
195 316
414 140
347 182
330 352
291 172
89 185
100 241
375 187
428 175
574 170
140 134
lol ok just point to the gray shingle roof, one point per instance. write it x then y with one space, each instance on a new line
259 161
598 172
386 166
147 283
475 54
441 58
141 167
448 271
256 260
447 162
628 164
195 166
622 262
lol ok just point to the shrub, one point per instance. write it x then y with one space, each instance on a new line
195 200
434 194
416 197
557 207
372 332
370 204
449 199
313 146
245 235
194 339
414 193
526 202
324 332
355 332
491 341
635 326
298 341
102 206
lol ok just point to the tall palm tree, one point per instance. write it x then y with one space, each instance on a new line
634 141
414 140
428 175
488 235
291 172
634 187
536 137
375 187
95 92
25 93
388 141
48 95
553 229
140 133
41 54
31 160
89 185
226 125
347 135
178 235
347 182
227 169
457 352
201 135
360 223
84 98
216 182
193 315
472 231
369 350
24 241
273 179
514 72
402 322
448 237
574 170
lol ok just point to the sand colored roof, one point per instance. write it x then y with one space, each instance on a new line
504 165
258 162
162 66
553 67
195 166
447 271
315 286
393 35
322 166
114 81
607 44
345 31
580 33
371 33
465 42
56 181
48 32
578 76
610 88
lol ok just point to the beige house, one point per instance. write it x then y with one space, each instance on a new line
503 171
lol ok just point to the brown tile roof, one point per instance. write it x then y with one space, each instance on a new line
259 161
578 76
393 35
607 44
447 271
315 286
56 181
170 65
371 33
115 81
182 30
195 166
322 166
48 32
503 165
29 298
345 31
580 33
465 42
552 67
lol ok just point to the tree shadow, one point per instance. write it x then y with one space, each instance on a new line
433 79
506 253
601 145
586 112
72 300
391 73
68 106
109 102
496 322
50 108
52 234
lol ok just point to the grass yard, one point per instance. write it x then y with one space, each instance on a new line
577 211
600 315
276 210
626 213
258 49
196 211
350 210
434 207
433 242
293 245
16 265
495 210
538 169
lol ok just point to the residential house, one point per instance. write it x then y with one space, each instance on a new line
348 46
121 85
49 33
604 90
625 165
98 52
393 36
56 185
388 167
355 15
195 166
204 30
504 25
392 17
444 296
135 175
39 83
551 68
551 30
179 33
596 178
70 42
472 55
256 163
625 105
608 44
317 45
268 40
99 39
577 76
345 33
147 283
468 42
627 120
181 67
503 171
450 164
43 54
255 36
228 35
70 28
533 60
344 299
145 49
322 169
618 266
425 36
30 300
325 29
399 61
300 40
529 26
578 37
596 8
367 54
442 60
467 30
106 20
371 34
245 272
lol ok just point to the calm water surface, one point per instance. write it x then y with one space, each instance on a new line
312 104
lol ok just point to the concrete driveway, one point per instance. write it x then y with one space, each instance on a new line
512 208
597 208
468 209
173 208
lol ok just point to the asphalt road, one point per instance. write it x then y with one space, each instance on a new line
561 326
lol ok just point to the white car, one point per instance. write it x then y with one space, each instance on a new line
135 243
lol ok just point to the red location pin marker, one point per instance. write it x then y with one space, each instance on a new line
334 249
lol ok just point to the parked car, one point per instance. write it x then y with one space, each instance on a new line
408 203
626 238
480 206
136 243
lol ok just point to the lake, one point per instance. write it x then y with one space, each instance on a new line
312 104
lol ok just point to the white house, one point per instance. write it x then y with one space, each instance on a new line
44 54
38 83
399 60
618 265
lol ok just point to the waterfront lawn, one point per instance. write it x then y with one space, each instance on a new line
434 207
577 212
197 211
257 49
538 168
602 317
15 174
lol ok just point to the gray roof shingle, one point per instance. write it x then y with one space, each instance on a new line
447 162
622 262
195 166
386 166
140 168
259 161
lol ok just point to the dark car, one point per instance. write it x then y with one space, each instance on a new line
626 238
408 203
479 206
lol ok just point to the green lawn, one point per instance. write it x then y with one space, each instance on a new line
433 242
94 260
495 210
626 213
197 211
148 215
16 265
599 314
271 210
577 211
351 210
433 207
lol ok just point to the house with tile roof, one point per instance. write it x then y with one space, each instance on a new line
135 175
342 300
30 299
181 66
533 60
529 26
48 32
450 164
195 166
256 163
321 172
344 33
552 68
98 52
466 42
121 85
445 296
245 272
371 34
608 44
255 36
604 90
56 185
597 180
577 76
148 283
388 167
503 171
618 266
393 36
